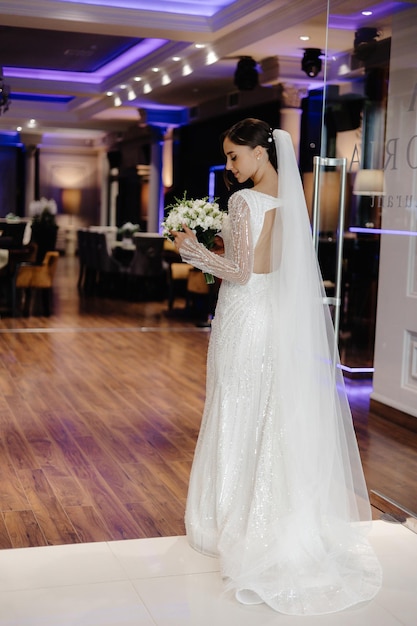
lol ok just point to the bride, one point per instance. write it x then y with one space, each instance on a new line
277 490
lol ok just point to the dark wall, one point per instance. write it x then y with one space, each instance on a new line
342 113
11 190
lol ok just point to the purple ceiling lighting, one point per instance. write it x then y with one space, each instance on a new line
133 55
380 11
185 7
382 231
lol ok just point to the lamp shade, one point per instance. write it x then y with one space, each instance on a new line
71 201
369 183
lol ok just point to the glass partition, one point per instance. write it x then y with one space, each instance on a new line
368 107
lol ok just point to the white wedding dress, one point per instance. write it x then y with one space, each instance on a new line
271 485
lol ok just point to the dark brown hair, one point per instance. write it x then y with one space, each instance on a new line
251 132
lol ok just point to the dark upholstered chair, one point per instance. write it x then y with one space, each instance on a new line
147 270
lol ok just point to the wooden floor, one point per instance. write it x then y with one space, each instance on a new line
100 406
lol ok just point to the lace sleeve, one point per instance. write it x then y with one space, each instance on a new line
237 264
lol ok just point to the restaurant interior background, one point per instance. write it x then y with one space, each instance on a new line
129 132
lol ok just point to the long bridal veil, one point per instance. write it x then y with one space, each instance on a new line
327 561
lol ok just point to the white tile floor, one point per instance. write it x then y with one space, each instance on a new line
163 582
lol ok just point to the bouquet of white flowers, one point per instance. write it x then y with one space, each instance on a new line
204 218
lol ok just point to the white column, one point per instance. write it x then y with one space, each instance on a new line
31 142
104 172
156 196
291 96
291 122
113 193
30 176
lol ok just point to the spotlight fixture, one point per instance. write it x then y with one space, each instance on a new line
365 42
311 62
4 96
246 75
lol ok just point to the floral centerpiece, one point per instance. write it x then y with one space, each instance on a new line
127 230
204 218
43 210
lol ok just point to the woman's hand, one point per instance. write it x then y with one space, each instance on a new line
218 247
180 235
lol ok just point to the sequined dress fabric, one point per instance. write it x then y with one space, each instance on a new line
240 505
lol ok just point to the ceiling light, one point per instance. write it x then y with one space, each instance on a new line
311 62
200 45
155 69
186 69
147 88
32 123
131 94
117 101
166 79
18 128
366 13
123 86
137 79
109 93
304 38
344 69
176 59
4 96
211 58
246 75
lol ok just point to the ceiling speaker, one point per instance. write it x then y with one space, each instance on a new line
246 75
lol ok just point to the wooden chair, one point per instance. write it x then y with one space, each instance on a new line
38 278
201 298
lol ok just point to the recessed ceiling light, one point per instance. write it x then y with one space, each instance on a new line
123 86
366 13
19 128
304 37
211 58
200 45
137 78
109 93
176 59
186 70
155 69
